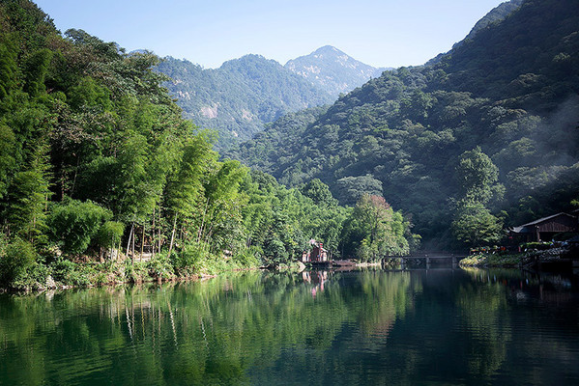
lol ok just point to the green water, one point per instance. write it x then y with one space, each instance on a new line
436 327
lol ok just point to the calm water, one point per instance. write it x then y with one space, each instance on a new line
436 327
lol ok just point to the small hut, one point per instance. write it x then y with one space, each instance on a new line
315 255
546 228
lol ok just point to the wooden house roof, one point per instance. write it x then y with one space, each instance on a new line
567 221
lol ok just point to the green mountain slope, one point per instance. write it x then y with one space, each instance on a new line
509 94
241 96
496 15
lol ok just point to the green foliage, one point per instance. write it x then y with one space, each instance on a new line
474 225
160 268
17 257
109 234
137 271
73 224
27 198
275 251
95 153
191 256
249 257
318 192
476 175
88 93
352 189
35 72
90 138
375 231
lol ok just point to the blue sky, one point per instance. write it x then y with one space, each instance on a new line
385 33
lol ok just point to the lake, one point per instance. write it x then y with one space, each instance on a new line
373 327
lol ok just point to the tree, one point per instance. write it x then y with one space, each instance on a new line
351 189
476 175
319 192
185 190
475 225
28 196
374 230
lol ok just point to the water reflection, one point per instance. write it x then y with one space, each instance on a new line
321 327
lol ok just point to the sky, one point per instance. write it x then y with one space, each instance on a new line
387 33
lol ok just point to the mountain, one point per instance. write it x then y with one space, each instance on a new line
496 15
502 106
240 97
245 94
333 70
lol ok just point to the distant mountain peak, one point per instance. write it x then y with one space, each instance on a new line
332 69
328 50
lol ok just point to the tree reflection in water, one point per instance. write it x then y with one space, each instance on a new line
311 328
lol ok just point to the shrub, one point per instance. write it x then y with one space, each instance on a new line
109 234
136 271
539 245
34 276
160 268
249 257
192 255
19 255
74 223
70 273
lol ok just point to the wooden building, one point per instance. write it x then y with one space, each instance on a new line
316 255
546 228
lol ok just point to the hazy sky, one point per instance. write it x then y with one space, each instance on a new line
385 33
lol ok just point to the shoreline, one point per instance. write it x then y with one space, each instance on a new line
562 258
66 274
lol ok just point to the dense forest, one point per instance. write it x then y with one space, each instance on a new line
483 138
97 164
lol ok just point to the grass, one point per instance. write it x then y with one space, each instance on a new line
492 260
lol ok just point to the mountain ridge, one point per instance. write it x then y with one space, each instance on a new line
243 95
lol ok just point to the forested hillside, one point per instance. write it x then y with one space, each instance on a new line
496 15
487 136
97 164
240 97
